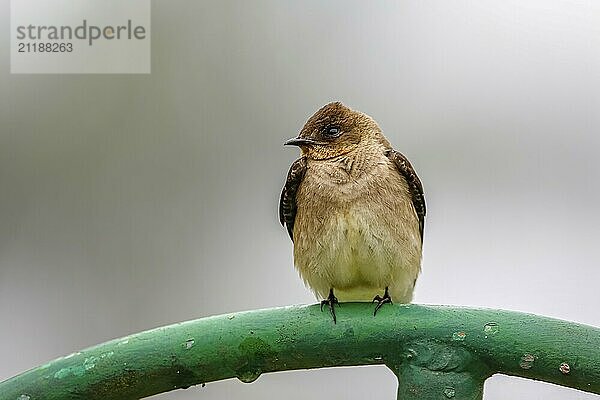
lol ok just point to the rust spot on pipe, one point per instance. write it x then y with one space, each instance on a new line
565 368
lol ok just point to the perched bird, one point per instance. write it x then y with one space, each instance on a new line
354 209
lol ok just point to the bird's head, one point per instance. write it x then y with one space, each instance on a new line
336 130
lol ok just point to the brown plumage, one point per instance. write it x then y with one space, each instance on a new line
355 210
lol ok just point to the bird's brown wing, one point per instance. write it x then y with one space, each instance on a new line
287 201
414 185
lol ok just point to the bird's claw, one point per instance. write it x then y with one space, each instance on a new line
331 301
381 301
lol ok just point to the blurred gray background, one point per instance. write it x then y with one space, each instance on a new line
130 202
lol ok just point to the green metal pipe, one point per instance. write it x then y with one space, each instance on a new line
436 352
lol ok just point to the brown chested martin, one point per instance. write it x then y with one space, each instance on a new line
354 209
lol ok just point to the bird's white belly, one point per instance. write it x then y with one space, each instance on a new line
359 255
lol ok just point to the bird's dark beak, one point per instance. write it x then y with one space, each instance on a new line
298 141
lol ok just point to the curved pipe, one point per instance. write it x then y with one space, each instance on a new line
432 349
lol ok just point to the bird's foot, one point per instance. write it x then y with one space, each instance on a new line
331 301
381 301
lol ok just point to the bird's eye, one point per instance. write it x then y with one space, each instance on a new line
332 131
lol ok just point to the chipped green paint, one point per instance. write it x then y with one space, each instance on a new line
436 352
189 343
491 328
79 370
